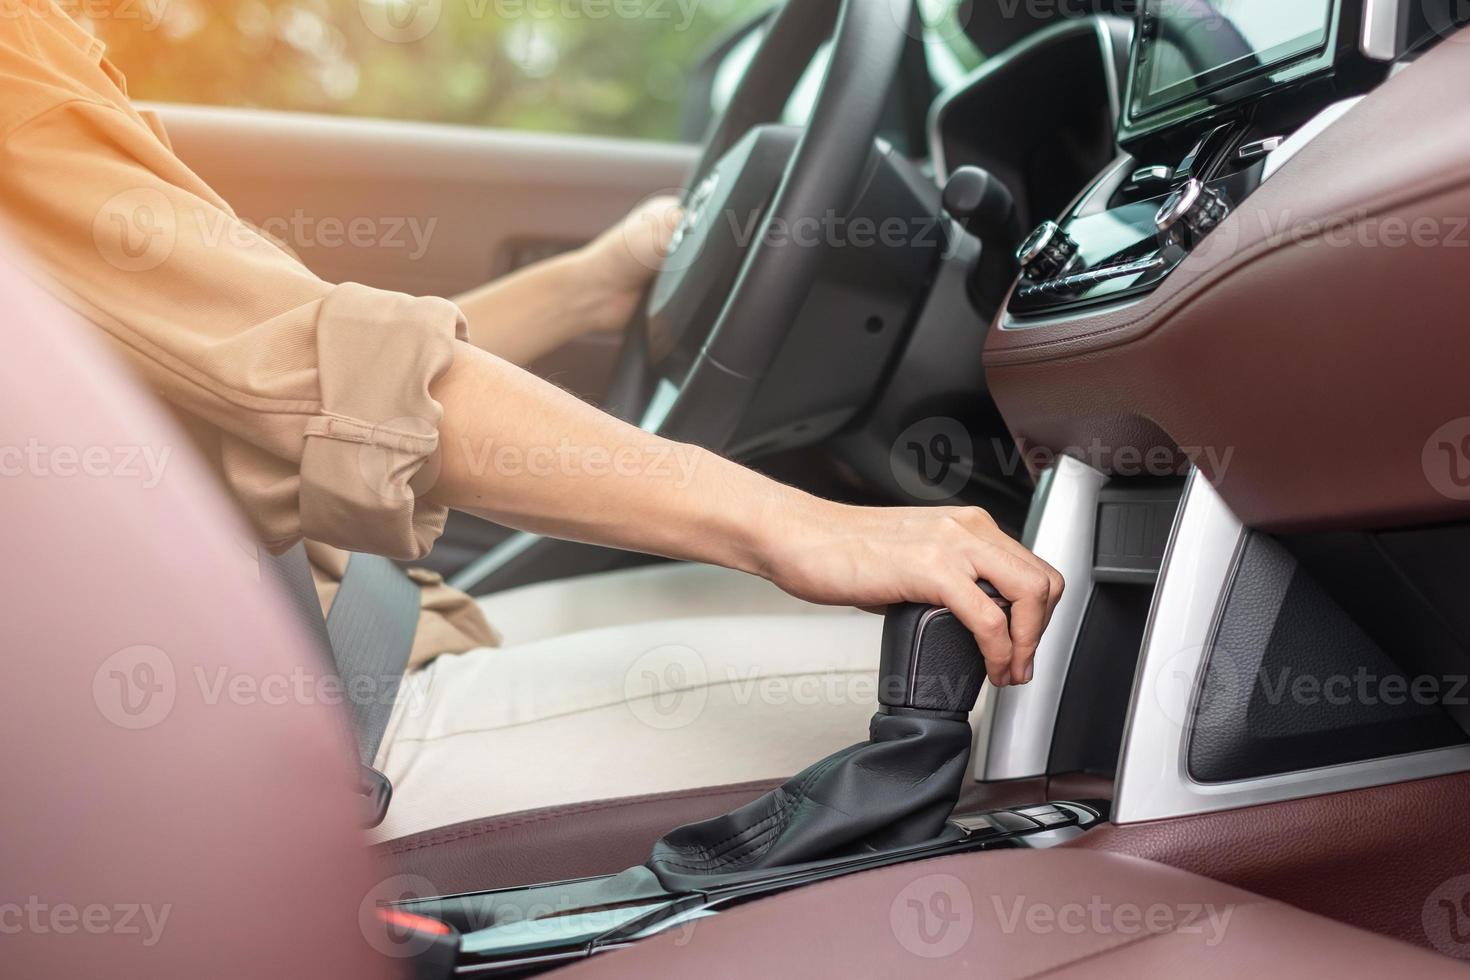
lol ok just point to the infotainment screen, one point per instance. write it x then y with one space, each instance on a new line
1189 46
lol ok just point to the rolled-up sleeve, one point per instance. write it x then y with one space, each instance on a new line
312 399
366 448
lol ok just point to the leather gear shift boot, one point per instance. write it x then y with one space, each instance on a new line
896 789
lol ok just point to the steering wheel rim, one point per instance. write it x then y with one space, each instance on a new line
823 176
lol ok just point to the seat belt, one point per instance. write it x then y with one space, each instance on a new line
367 637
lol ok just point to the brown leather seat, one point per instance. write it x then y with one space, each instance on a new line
163 814
1013 914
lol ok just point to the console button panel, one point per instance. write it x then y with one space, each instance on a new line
1131 233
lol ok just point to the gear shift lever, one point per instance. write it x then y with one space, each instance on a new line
896 789
930 665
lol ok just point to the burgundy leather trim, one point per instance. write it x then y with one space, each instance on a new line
1310 344
559 842
1006 915
1372 858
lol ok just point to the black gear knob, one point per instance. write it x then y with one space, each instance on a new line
930 662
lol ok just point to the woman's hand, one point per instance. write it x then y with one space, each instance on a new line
533 311
839 555
614 268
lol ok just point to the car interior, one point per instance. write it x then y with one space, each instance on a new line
1167 286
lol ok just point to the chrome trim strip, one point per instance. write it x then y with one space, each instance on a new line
1023 718
1380 40
1309 131
1153 780
1110 66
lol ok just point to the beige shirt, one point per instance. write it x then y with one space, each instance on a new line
310 399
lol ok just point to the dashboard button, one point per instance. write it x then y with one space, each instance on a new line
1254 151
1049 816
1010 823
1156 174
976 827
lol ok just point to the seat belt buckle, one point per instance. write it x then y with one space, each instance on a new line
377 792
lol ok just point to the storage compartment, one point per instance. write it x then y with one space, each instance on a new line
1336 648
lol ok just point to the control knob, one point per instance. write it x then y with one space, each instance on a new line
1191 213
1047 252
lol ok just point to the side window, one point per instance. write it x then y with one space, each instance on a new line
605 67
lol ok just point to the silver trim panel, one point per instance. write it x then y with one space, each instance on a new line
1153 780
1061 532
1380 40
1299 140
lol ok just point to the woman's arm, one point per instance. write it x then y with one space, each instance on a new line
531 312
522 452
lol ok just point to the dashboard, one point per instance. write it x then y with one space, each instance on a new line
1213 87
1225 288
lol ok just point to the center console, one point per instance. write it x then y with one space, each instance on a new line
1213 88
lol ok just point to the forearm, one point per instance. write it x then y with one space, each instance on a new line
531 312
524 453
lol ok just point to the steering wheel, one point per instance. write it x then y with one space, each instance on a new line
735 277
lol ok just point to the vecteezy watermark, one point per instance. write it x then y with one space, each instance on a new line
401 21
1262 229
1209 689
933 459
138 230
1182 699
1446 459
571 460
409 234
35 916
932 21
1047 9
407 21
667 687
137 688
703 218
1099 916
933 917
1446 917
144 464
1361 687
382 932
1123 460
147 14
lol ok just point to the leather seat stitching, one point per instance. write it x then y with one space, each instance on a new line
480 829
